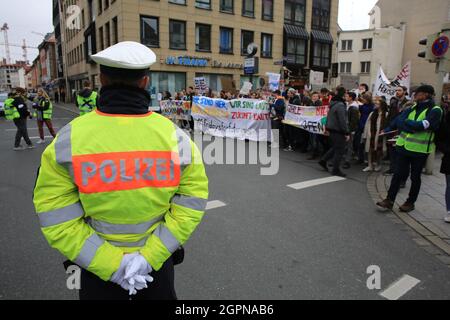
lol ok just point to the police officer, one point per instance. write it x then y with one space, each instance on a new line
417 127
87 99
20 104
121 189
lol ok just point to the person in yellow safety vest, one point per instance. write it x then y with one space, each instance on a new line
417 126
11 112
87 99
121 189
20 104
43 110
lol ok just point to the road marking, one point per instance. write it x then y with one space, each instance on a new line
400 287
316 182
27 129
40 137
215 204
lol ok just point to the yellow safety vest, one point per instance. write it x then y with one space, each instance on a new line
115 184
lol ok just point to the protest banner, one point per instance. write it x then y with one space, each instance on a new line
311 119
175 109
386 88
239 119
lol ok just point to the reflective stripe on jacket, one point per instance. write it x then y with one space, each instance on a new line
87 105
115 184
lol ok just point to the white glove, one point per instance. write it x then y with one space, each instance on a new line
137 271
119 276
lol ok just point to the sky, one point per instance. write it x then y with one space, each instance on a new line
27 16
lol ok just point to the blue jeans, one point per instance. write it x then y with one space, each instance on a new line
447 192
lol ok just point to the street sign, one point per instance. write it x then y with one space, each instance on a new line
440 46
251 65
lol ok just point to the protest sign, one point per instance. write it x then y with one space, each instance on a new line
240 118
384 87
274 81
311 119
246 88
200 84
175 109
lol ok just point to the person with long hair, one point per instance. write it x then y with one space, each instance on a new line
375 144
43 113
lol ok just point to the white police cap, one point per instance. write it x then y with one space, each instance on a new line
128 55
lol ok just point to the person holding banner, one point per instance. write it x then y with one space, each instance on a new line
417 127
277 111
337 127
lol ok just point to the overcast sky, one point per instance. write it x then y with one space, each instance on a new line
27 16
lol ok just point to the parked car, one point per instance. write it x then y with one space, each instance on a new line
3 97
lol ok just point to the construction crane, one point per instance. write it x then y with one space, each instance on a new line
5 34
24 48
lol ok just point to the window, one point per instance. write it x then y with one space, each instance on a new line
203 37
115 32
106 6
227 6
247 37
226 40
367 44
203 4
346 67
296 51
178 1
321 15
108 35
266 45
267 10
365 67
83 22
248 8
102 42
294 12
177 34
165 81
346 45
100 7
150 31
321 55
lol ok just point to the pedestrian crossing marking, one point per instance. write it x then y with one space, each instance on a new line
313 183
400 287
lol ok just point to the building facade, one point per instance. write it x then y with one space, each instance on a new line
202 38
9 75
420 19
361 53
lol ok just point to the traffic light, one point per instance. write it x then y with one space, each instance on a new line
428 43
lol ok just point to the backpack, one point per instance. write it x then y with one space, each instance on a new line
440 136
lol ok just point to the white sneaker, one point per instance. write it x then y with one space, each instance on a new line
41 141
30 146
377 168
447 218
368 169
19 148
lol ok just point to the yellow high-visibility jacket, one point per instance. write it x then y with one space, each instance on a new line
115 184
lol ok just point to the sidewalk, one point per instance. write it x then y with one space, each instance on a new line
428 218
68 107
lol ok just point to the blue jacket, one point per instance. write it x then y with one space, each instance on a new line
365 110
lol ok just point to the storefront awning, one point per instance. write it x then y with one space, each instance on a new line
296 32
322 36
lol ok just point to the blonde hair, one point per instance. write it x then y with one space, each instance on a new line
44 93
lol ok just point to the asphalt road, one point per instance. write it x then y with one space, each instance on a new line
269 241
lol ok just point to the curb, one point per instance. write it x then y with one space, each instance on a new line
422 235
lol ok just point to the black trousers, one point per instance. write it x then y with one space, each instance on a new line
403 165
22 131
162 287
337 150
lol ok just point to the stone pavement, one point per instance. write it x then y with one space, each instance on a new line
428 218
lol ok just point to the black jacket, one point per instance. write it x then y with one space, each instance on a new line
337 119
123 100
21 105
445 167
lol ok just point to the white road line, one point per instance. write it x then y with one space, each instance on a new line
40 137
313 183
400 287
215 204
28 129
